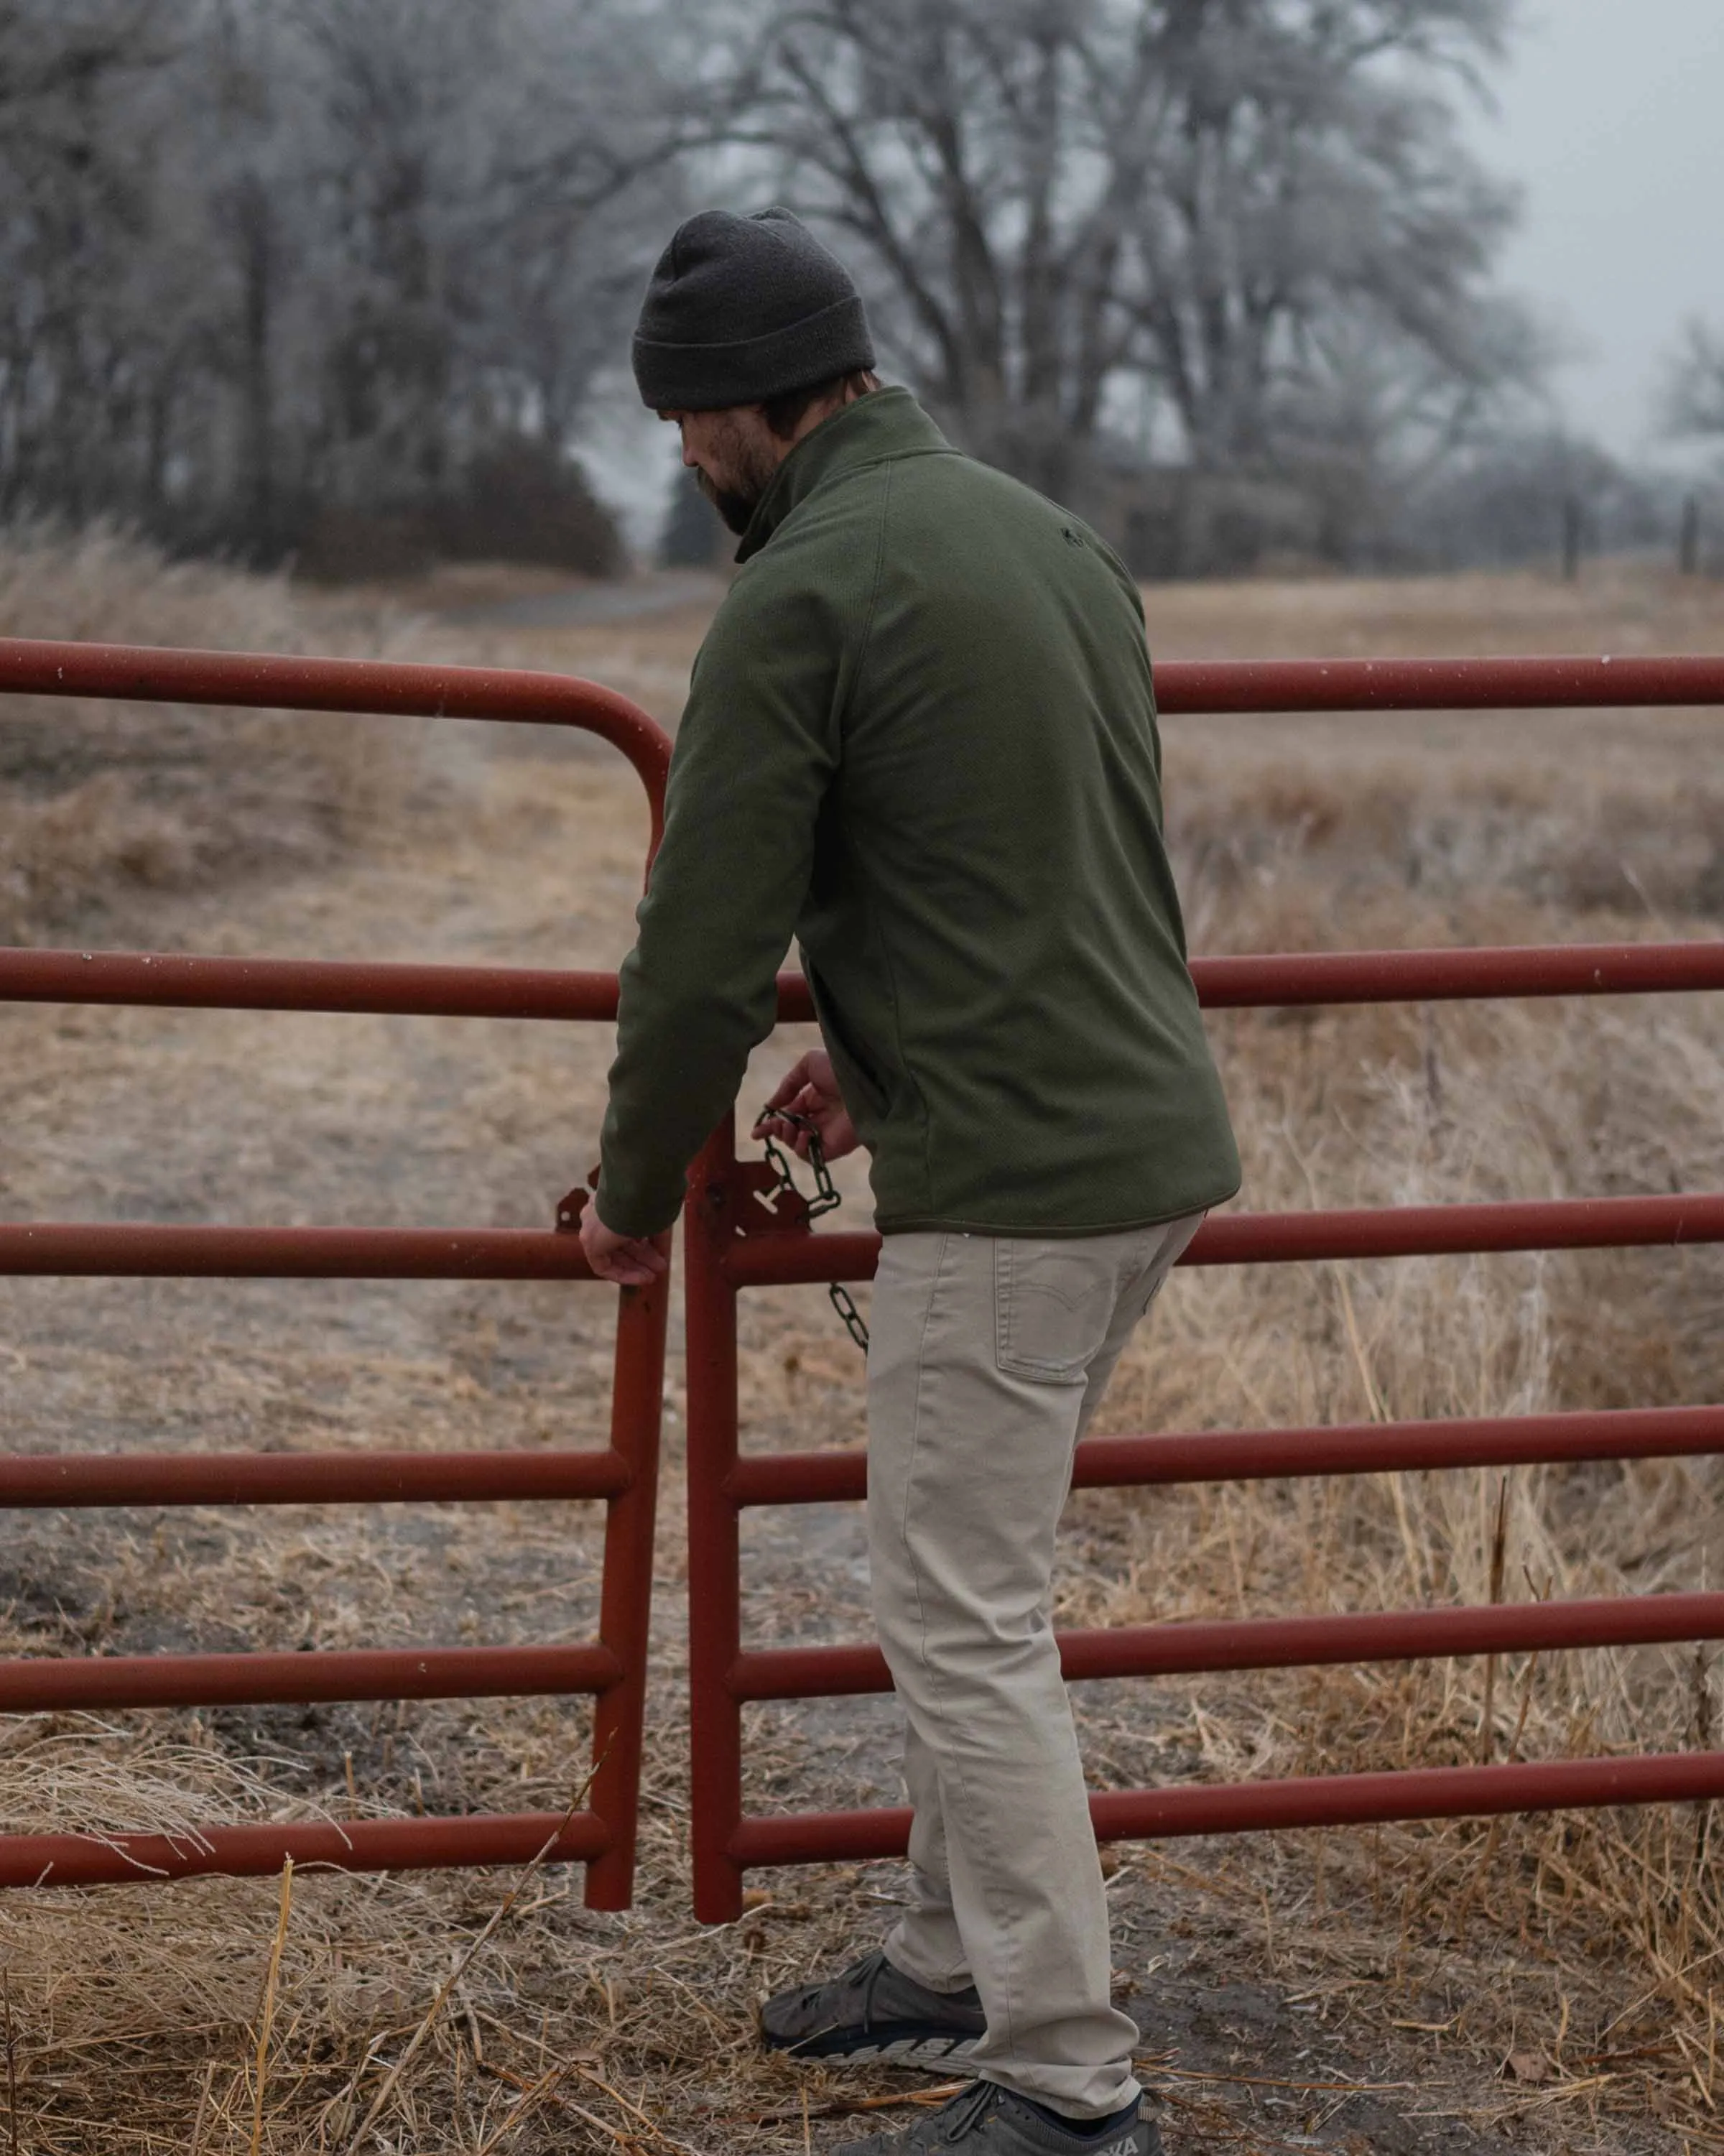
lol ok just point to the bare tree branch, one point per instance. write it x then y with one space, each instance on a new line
1058 197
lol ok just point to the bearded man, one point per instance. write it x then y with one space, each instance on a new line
921 738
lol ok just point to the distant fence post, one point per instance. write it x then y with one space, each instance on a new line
1688 549
1571 534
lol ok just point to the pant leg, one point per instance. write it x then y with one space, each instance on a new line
979 1377
925 1943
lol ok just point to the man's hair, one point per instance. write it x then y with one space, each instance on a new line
785 414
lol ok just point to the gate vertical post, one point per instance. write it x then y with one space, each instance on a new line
626 1601
714 1556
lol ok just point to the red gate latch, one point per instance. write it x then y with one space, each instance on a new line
767 1200
764 1201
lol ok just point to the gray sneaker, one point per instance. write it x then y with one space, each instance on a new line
874 2012
986 2120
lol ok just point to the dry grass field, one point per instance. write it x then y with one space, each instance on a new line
1550 1984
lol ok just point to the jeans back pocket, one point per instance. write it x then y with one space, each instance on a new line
1053 1303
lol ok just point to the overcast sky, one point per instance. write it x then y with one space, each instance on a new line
1612 119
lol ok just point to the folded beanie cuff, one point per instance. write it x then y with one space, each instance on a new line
708 377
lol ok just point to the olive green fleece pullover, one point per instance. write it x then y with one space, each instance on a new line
921 737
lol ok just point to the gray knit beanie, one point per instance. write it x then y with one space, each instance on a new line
742 308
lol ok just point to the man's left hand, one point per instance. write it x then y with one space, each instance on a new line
628 1260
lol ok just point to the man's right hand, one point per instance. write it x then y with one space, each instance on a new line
810 1090
628 1260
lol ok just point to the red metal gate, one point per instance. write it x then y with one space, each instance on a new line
735 1241
613 1668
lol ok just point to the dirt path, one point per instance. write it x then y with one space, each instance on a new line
526 848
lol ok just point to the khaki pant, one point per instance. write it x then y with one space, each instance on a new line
988 1357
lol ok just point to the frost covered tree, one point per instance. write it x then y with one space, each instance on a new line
1257 213
265 260
339 275
81 341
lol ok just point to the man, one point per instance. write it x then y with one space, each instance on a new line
920 736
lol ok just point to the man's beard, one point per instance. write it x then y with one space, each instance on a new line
737 509
749 467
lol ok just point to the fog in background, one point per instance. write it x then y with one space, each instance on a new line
1345 283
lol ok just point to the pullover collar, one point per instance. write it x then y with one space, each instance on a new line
885 424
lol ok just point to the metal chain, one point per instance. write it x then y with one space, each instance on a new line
845 1304
827 1197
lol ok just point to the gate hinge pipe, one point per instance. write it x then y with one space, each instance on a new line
626 1597
715 1555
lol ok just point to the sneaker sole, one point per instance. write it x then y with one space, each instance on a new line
927 2054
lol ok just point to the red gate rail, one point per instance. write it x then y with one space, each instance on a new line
1192 1646
730 1245
180 981
1398 1231
1203 687
623 1476
1362 1799
49 1480
1282 980
1245 1456
58 1684
359 1845
259 680
128 1250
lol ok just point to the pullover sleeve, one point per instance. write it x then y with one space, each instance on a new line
757 751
